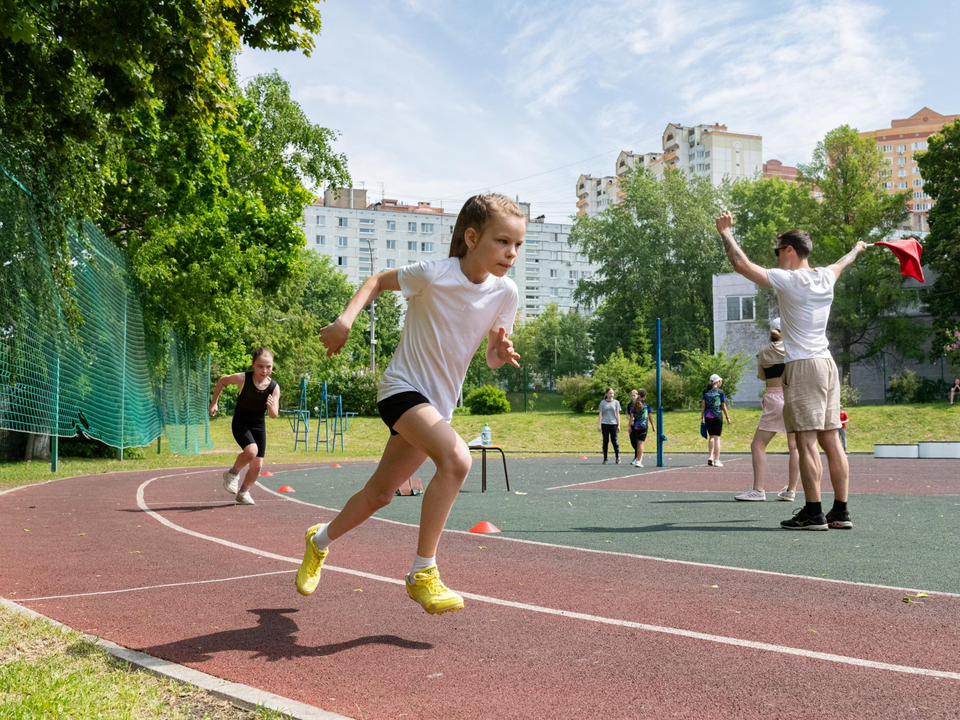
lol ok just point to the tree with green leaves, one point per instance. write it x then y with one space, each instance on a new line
657 253
940 168
868 316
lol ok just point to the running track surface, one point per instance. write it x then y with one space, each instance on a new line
547 631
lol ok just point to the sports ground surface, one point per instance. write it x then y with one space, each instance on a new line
612 591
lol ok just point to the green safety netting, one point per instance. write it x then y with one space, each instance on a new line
99 375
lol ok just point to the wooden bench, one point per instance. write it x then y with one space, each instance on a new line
483 472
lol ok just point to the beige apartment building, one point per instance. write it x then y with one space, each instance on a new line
899 143
710 151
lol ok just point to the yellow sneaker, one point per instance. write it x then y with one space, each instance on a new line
308 576
428 590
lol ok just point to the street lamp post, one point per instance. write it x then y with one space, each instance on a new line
373 314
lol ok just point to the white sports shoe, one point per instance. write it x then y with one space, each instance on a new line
634 462
231 482
717 463
786 495
640 463
244 498
752 496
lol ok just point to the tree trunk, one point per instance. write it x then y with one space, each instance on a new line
38 448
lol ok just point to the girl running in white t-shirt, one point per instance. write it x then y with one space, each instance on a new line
453 304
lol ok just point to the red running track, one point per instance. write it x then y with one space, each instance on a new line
547 631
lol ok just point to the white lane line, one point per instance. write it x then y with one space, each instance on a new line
634 476
721 639
153 587
592 551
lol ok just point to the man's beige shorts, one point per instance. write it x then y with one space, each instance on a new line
811 395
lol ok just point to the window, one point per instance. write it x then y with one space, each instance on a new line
366 225
391 263
916 169
573 274
885 185
321 220
739 308
922 207
885 173
341 222
902 185
321 240
553 273
901 148
918 182
391 224
886 148
411 227
341 241
553 292
367 221
412 245
922 145
426 227
367 231
902 172
341 260
426 247
391 244
901 161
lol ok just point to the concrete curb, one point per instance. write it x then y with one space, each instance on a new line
242 696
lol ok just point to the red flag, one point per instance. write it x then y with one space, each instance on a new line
908 252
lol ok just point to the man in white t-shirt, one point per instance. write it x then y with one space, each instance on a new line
811 386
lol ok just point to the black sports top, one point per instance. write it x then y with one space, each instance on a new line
252 402
773 371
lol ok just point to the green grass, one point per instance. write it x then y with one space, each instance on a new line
544 430
50 672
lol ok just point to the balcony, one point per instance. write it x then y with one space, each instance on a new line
670 156
582 202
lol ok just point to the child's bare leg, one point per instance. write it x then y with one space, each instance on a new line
400 460
640 450
793 464
710 444
253 471
244 458
425 429
758 454
716 448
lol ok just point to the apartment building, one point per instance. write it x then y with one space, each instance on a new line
899 143
710 151
365 240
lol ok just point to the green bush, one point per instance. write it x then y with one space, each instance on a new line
672 385
908 388
487 400
699 365
358 388
619 372
576 392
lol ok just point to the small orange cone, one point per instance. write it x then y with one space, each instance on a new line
484 527
335 465
285 488
266 473
583 457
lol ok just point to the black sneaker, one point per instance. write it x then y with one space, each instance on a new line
839 520
802 521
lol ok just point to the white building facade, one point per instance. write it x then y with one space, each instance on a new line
361 242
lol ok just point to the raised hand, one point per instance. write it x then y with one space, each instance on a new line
334 336
504 348
724 222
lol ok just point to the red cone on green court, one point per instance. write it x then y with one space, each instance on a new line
583 457
266 473
335 465
285 488
484 527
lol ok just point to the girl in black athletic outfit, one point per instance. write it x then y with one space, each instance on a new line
259 393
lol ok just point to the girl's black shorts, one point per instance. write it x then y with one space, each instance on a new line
714 426
391 408
245 433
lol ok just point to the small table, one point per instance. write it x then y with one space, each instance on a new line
483 473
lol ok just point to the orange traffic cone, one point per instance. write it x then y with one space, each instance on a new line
335 465
583 457
266 473
484 527
285 488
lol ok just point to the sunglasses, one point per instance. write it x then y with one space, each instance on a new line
776 250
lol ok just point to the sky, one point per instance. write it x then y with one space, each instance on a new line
438 100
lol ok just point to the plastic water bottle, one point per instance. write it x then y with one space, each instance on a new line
486 436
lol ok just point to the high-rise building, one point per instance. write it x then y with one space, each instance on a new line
388 234
899 143
709 151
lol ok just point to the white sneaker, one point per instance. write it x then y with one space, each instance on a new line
717 463
786 495
244 498
231 482
634 462
752 496
639 463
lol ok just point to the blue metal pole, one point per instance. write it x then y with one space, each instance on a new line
659 404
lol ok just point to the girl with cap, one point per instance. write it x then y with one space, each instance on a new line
713 408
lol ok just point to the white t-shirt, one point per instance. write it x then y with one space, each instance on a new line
447 318
805 297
